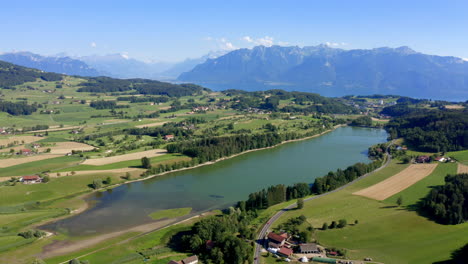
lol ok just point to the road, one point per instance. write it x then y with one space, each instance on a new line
275 217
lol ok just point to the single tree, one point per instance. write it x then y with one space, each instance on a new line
45 179
332 225
145 163
324 226
300 203
356 222
97 183
342 223
108 180
399 201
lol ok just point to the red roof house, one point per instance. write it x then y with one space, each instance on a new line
168 137
26 152
277 239
30 179
286 252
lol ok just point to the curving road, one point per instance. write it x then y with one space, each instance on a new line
275 217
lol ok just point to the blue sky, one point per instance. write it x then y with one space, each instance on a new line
174 30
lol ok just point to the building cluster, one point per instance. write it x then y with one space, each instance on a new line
285 246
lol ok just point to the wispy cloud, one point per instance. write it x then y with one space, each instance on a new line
336 44
465 59
221 43
93 44
265 41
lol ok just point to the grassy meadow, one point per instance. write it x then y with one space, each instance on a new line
385 232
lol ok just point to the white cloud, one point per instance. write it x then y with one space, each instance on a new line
265 41
224 44
465 59
335 44
93 44
125 55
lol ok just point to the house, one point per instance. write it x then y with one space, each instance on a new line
36 146
168 137
31 179
275 240
190 260
309 248
2 131
285 252
26 152
423 159
440 159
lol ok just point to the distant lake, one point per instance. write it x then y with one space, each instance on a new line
222 184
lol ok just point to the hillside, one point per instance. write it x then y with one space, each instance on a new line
336 72
62 65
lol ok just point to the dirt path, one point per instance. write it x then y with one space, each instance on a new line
462 168
12 162
397 182
151 124
122 170
125 157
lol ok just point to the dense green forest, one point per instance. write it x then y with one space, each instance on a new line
432 130
21 108
141 86
213 148
11 75
213 241
448 204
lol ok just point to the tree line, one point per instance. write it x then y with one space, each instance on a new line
448 203
213 148
281 193
21 108
12 75
432 130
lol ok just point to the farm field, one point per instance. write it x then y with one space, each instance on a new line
132 156
385 232
462 168
398 182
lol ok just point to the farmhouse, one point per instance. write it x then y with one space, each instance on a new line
285 252
31 179
309 248
168 137
440 159
423 159
26 152
275 240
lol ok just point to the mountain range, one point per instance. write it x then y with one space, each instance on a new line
335 72
111 65
63 65
320 69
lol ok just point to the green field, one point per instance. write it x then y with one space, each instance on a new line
385 232
40 166
461 156
170 213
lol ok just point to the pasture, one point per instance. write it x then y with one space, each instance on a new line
385 232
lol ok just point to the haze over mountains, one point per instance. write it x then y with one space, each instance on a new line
112 65
335 72
321 69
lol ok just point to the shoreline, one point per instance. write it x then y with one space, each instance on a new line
88 205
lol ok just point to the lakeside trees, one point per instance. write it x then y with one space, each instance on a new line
432 130
448 203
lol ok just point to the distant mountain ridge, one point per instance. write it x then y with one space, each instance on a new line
335 72
62 65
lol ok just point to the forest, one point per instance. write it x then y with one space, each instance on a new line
432 130
280 193
213 148
142 86
21 108
213 241
448 203
11 75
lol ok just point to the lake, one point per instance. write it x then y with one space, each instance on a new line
224 183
